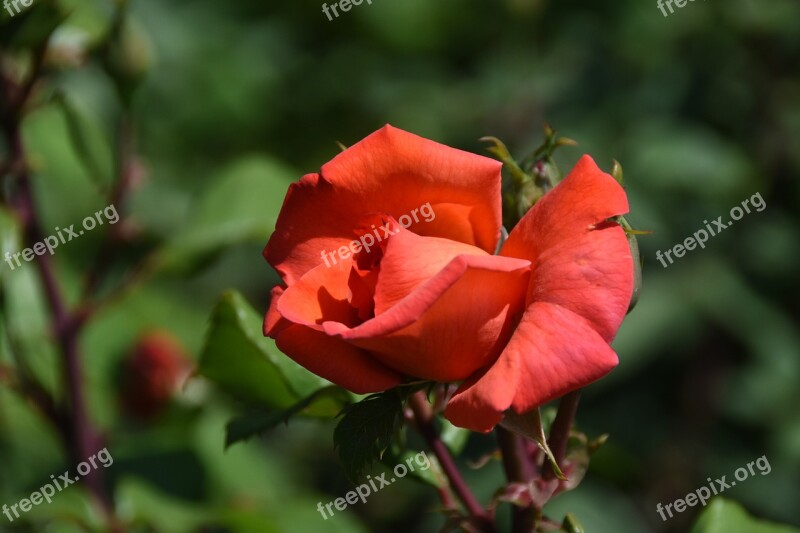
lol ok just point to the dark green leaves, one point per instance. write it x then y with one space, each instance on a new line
366 430
324 401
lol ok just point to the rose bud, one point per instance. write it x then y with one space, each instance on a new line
153 374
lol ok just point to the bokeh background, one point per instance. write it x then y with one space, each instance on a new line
232 101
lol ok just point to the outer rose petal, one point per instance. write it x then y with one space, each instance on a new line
335 360
273 321
553 352
390 171
292 321
442 326
580 261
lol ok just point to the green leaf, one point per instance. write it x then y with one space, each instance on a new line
321 401
366 430
530 425
500 151
454 437
83 142
160 510
9 241
725 516
617 172
24 316
244 363
432 475
631 234
256 187
571 524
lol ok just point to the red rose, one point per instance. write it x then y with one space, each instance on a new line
426 299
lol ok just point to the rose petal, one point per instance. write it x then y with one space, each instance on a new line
335 360
552 352
580 261
390 171
321 294
409 261
442 326
273 321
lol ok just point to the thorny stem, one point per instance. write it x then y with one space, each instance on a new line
423 417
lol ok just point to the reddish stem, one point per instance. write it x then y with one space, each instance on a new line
81 438
423 417
559 432
518 468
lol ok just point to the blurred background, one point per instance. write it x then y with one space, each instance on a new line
210 109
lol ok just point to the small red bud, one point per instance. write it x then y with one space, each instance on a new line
153 373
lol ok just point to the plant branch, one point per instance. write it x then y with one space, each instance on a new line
423 417
79 434
82 436
125 174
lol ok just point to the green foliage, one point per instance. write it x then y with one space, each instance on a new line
366 429
455 438
33 27
725 516
327 402
571 525
244 363
255 185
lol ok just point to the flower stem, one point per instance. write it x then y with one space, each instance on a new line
423 417
559 432
518 468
